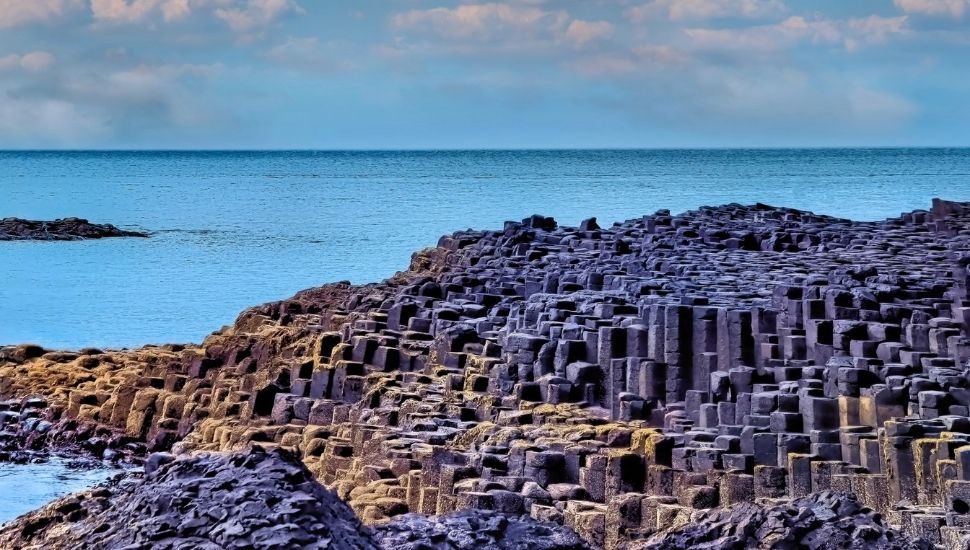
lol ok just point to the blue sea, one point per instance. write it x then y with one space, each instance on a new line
235 229
26 487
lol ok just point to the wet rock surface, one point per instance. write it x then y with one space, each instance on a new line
822 521
614 380
29 434
64 229
250 499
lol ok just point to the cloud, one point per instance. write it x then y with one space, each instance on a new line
77 106
952 8
581 32
604 65
26 122
797 29
130 11
677 10
874 29
33 61
241 15
639 59
308 54
523 29
20 12
478 20
256 13
741 104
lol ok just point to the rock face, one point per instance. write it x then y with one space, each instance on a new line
65 229
616 380
823 521
477 529
251 499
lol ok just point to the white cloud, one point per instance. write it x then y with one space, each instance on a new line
481 20
81 107
20 12
308 54
952 8
755 102
175 9
604 65
797 29
581 32
517 28
130 11
33 61
874 29
256 13
641 59
26 122
677 10
240 15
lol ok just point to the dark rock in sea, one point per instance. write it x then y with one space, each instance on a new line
821 521
65 229
209 501
479 529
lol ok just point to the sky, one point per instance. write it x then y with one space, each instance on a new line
438 74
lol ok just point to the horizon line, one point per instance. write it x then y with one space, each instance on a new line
473 149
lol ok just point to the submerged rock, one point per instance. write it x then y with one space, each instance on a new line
64 229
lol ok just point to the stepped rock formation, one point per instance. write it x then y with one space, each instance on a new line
619 381
64 229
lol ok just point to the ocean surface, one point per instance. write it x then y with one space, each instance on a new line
235 229
26 487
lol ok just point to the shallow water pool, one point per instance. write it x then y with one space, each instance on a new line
26 487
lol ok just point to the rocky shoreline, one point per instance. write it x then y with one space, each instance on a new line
63 229
623 382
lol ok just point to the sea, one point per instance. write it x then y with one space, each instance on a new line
232 229
25 487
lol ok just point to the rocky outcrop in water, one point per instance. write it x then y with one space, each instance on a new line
616 380
64 229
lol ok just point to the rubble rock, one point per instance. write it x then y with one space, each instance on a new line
477 529
250 499
822 521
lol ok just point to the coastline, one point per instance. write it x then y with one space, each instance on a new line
669 364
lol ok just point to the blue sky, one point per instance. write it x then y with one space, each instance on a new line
327 74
